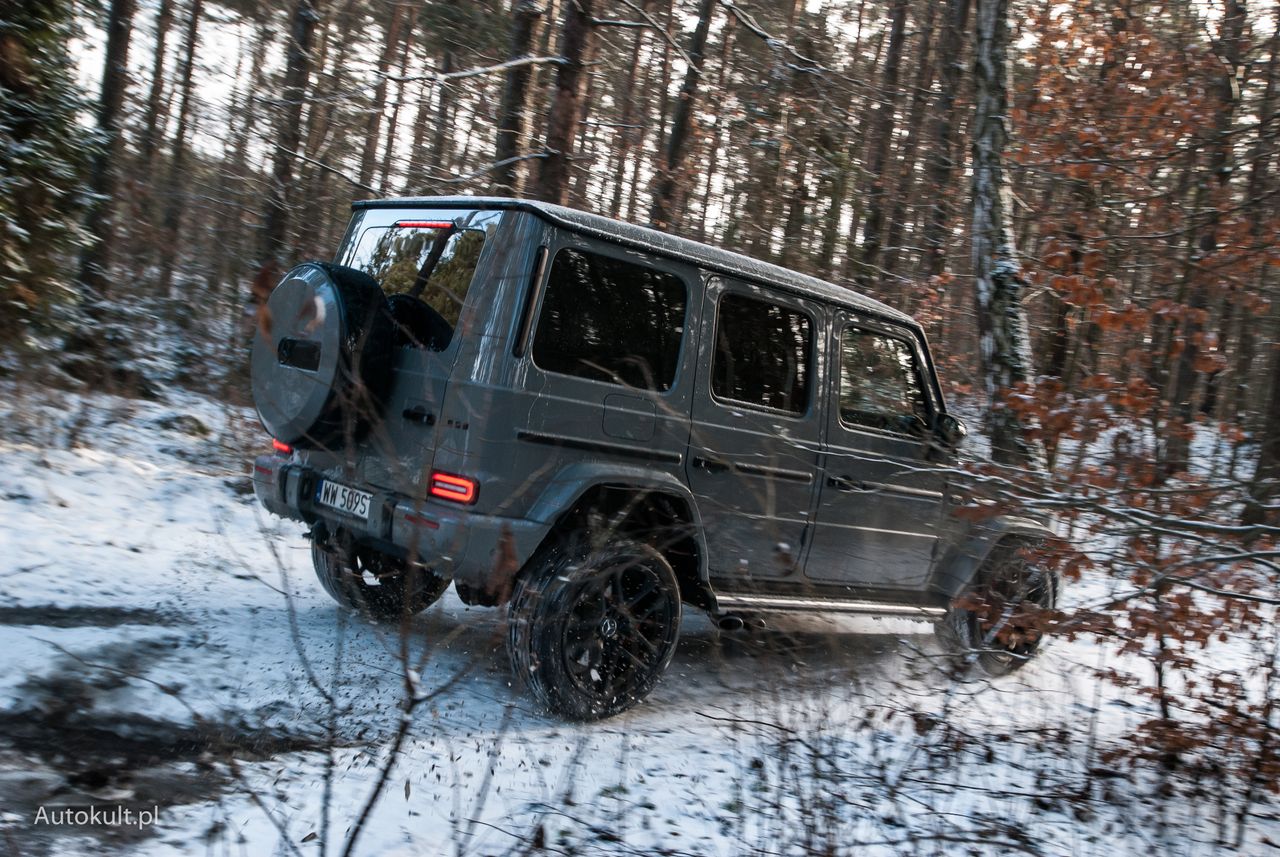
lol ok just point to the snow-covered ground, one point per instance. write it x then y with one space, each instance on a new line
165 644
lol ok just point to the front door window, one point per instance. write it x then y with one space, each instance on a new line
879 382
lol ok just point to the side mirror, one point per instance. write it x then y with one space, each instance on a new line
951 430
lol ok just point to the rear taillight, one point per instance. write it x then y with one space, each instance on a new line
458 489
281 447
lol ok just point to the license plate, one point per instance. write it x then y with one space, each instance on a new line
349 501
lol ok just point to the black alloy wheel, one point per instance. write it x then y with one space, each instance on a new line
591 630
999 624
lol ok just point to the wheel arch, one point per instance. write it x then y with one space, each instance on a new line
962 564
636 501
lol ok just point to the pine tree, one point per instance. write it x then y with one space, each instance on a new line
44 156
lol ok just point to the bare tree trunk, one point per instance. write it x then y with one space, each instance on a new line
441 145
837 153
1203 242
151 130
1003 344
793 231
1264 488
95 263
525 17
906 174
174 203
585 135
418 153
562 124
671 183
329 78
856 159
882 137
393 123
941 160
720 135
288 134
650 90
1260 154
627 132
373 122
236 177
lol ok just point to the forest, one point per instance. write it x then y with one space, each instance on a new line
1080 201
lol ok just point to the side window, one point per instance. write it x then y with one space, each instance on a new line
610 320
762 354
879 381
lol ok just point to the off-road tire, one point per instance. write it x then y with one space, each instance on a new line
591 628
1009 578
401 588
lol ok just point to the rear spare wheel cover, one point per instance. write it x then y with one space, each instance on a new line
327 332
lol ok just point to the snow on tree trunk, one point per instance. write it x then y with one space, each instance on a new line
1003 343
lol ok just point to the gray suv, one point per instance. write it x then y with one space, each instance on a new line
596 424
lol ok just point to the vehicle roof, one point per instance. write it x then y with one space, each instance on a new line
660 243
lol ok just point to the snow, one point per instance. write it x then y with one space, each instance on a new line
141 591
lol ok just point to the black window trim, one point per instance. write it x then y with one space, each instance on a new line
572 241
851 320
764 295
527 321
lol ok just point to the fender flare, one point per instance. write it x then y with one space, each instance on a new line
960 565
569 486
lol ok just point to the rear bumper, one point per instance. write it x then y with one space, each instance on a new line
483 551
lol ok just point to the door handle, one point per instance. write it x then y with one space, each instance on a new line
419 414
844 483
711 465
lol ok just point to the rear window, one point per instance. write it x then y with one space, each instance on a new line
610 320
399 256
762 354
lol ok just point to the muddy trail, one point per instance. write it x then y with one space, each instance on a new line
61 749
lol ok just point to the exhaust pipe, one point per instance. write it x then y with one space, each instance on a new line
730 622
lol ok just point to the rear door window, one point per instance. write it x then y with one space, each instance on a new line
436 258
762 354
611 320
